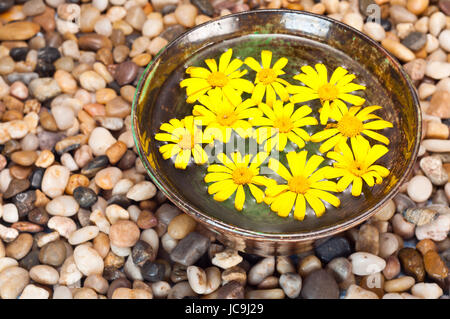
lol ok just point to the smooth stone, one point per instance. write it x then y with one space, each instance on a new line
88 261
415 41
24 202
320 285
20 30
85 196
44 274
12 282
419 188
434 265
64 205
291 284
124 233
364 264
190 249
368 239
142 252
357 292
436 230
15 187
125 73
333 248
153 271
427 290
412 263
142 191
20 247
261 270
34 292
94 166
341 269
44 88
53 253
438 70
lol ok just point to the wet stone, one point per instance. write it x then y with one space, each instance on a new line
36 178
320 285
190 249
333 248
412 263
142 252
19 54
48 54
231 290
24 202
415 41
95 165
53 253
204 6
125 73
85 196
15 187
434 265
153 271
30 260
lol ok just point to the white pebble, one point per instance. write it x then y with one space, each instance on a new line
364 263
436 230
419 188
142 191
88 261
427 290
10 213
64 205
100 140
83 235
55 180
197 279
64 116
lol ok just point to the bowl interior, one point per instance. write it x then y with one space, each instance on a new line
303 39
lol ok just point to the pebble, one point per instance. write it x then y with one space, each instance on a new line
261 270
44 88
438 70
153 271
320 285
143 191
398 50
87 260
399 285
341 269
190 249
53 253
44 274
427 290
55 180
84 196
107 178
185 15
100 140
226 259
415 41
434 265
83 235
375 31
64 205
20 30
12 282
34 292
437 23
124 233
436 230
357 292
419 188
291 284
333 248
364 264
412 263
368 239
197 279
20 247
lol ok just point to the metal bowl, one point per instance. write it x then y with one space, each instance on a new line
303 38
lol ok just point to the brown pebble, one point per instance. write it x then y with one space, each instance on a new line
41 199
124 233
47 121
46 20
21 30
75 181
434 265
180 226
38 216
101 244
24 158
27 227
94 42
425 245
125 73
392 268
374 283
116 151
146 220
20 172
412 263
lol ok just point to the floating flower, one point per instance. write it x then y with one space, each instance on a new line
233 174
226 77
184 138
350 124
267 80
318 87
354 167
221 117
304 182
282 123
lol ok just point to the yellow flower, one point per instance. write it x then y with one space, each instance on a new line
226 77
184 138
233 174
354 167
318 87
350 124
303 182
220 117
267 81
282 123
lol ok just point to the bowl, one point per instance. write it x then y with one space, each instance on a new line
303 38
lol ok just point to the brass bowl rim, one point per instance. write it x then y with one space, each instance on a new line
257 236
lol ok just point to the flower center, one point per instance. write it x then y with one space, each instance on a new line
227 118
328 92
186 142
350 126
299 184
357 169
242 175
217 79
267 76
283 124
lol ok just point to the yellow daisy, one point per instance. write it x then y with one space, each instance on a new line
350 124
225 77
221 117
266 80
184 138
304 183
282 123
233 174
354 167
318 87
